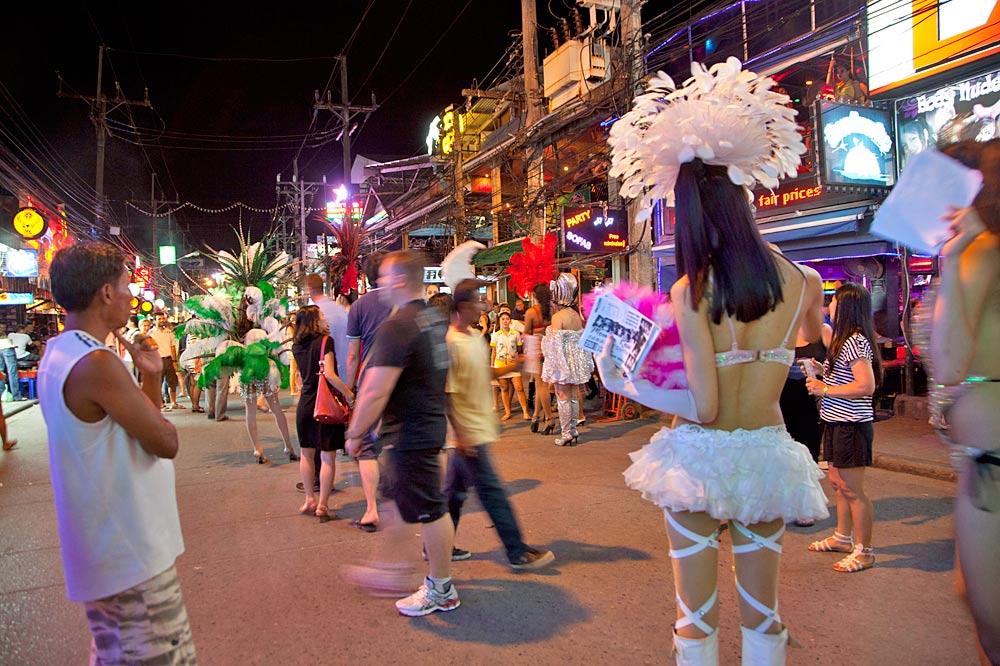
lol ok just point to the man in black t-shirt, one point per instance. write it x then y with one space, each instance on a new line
403 384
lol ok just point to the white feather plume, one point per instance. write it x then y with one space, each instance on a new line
457 266
721 115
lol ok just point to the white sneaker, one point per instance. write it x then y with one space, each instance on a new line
426 600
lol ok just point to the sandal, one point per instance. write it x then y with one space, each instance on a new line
220 419
861 558
837 543
323 514
505 417
365 527
197 410
308 507
292 455
260 458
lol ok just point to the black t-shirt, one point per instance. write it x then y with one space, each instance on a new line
414 339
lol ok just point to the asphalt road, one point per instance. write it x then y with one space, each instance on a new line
261 583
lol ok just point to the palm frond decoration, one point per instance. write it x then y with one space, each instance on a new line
342 268
256 262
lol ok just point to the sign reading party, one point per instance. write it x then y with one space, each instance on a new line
594 229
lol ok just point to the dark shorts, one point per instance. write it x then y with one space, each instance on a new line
412 479
847 444
169 374
371 447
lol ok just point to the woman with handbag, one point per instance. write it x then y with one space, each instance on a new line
323 410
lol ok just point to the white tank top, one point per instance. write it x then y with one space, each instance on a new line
115 503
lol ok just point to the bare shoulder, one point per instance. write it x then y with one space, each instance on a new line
982 258
680 291
99 366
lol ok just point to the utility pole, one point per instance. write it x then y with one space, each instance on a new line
345 113
459 228
640 262
534 103
98 115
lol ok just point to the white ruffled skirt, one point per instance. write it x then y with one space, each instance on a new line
750 476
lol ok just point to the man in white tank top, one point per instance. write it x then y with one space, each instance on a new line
112 478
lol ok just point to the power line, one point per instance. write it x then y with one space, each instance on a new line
247 59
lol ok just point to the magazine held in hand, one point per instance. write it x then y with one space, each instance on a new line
633 332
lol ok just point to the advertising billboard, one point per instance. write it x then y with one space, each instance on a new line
970 108
594 230
912 39
19 263
857 146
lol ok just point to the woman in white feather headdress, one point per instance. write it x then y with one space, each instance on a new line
242 322
738 306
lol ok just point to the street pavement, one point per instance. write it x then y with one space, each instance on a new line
262 587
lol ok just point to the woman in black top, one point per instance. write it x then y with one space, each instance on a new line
310 332
798 408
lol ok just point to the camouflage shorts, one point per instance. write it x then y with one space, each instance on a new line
146 624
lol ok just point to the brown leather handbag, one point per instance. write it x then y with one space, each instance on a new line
331 408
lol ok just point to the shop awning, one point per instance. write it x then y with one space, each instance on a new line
498 254
435 230
825 235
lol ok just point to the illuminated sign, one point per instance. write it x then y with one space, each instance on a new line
857 145
912 39
142 276
787 196
341 209
168 255
974 104
16 298
20 263
593 229
432 275
29 223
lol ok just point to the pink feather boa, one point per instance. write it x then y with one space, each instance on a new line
664 365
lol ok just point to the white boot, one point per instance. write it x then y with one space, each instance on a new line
764 649
697 651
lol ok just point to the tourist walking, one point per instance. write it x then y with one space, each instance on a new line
315 356
404 386
475 428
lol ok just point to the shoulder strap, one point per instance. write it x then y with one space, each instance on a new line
322 355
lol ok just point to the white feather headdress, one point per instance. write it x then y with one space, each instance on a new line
722 115
457 266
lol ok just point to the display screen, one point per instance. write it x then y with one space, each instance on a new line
592 229
20 263
857 145
965 110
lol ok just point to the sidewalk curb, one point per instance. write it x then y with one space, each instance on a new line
904 466
20 407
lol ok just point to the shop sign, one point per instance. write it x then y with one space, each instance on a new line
432 275
594 229
16 298
29 224
787 196
142 276
921 117
912 39
857 145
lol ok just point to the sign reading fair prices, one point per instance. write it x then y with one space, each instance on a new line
594 229
784 197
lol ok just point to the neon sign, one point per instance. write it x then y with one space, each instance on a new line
594 229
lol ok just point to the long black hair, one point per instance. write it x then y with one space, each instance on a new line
717 238
544 296
854 315
984 156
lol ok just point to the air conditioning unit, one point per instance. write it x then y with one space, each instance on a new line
572 69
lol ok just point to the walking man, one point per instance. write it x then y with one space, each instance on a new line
475 427
112 478
404 386
8 352
163 335
363 321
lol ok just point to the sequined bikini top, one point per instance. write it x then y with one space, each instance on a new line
780 354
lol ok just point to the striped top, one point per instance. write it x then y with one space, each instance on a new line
837 373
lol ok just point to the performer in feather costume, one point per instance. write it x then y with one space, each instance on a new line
242 325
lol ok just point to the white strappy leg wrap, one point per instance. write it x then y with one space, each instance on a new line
700 543
758 542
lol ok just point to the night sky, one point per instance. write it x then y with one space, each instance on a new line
242 98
